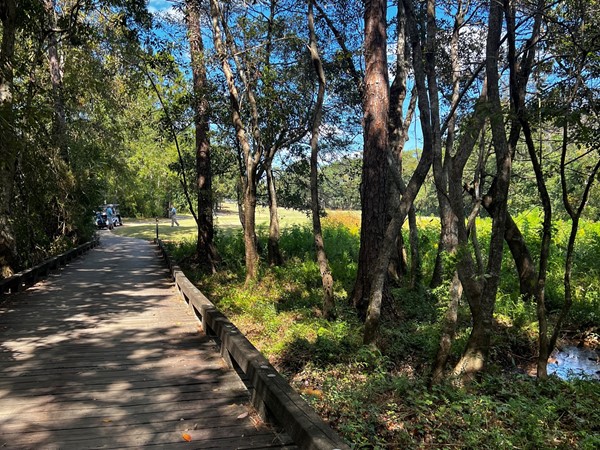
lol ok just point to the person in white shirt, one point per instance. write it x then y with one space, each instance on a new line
173 215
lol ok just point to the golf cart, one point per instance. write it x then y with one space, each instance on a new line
101 219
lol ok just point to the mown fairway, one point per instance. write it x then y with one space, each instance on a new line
225 219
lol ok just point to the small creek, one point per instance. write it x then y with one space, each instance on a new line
573 362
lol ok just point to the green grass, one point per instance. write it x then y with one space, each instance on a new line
226 219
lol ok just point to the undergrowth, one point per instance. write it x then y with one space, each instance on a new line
376 396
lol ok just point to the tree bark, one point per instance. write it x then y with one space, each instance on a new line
412 189
274 253
448 173
8 148
398 135
375 166
250 159
518 249
205 249
482 298
59 119
520 72
326 277
250 239
448 332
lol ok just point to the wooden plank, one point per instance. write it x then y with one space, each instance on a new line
98 358
138 436
50 406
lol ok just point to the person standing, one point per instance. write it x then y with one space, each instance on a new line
109 217
173 215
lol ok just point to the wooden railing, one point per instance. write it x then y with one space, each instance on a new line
271 394
22 280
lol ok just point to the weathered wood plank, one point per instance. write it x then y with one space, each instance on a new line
103 358
102 407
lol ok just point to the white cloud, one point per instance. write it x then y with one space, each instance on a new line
155 6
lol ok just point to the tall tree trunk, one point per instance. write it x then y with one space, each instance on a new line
59 126
274 253
520 72
250 159
483 300
251 243
399 123
326 277
250 239
205 249
374 188
391 233
8 144
416 181
540 286
448 218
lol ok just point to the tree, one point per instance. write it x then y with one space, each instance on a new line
8 142
268 83
375 134
205 249
326 277
579 129
50 176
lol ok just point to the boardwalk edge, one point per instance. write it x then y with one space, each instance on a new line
272 395
27 278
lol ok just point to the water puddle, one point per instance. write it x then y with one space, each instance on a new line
573 362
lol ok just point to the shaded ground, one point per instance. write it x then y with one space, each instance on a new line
105 355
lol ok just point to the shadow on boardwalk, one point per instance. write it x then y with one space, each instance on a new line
105 355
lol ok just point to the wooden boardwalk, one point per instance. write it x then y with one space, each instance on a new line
105 355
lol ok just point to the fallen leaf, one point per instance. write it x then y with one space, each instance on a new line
313 392
186 437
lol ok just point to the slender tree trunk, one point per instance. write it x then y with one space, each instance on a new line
519 75
326 277
250 159
274 253
482 305
240 188
374 188
416 269
448 332
575 215
440 170
399 123
448 216
59 126
436 275
249 230
205 248
8 148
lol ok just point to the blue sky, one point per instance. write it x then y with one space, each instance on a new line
159 5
